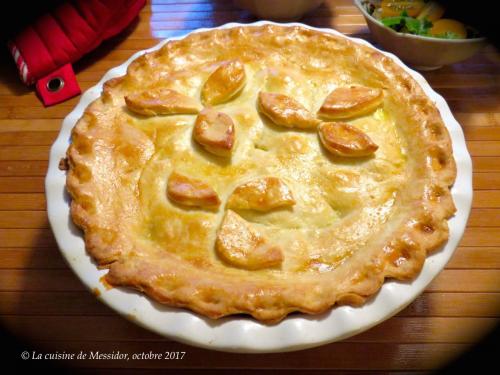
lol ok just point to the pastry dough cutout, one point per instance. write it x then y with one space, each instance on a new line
215 132
161 102
262 194
350 101
224 83
242 246
342 139
191 192
285 111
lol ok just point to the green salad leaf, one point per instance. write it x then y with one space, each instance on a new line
396 23
407 24
418 27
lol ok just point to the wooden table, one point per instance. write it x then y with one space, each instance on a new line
47 308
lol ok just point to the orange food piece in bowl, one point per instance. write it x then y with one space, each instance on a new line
446 25
432 11
393 8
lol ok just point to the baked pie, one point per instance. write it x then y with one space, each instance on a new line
261 170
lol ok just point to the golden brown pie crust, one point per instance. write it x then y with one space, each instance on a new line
355 221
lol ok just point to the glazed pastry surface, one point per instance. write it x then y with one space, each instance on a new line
210 176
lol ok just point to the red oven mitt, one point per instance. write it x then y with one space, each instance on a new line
44 51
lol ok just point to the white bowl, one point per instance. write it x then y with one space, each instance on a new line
421 52
278 9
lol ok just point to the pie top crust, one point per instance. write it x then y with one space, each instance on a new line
261 170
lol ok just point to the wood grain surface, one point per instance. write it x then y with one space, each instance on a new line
44 305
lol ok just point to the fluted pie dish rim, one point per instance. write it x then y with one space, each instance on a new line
143 309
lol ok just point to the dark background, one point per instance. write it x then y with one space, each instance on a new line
481 14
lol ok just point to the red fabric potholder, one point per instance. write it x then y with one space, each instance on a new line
45 50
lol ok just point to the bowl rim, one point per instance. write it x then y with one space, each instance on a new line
413 36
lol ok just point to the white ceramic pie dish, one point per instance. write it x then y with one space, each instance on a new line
243 334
